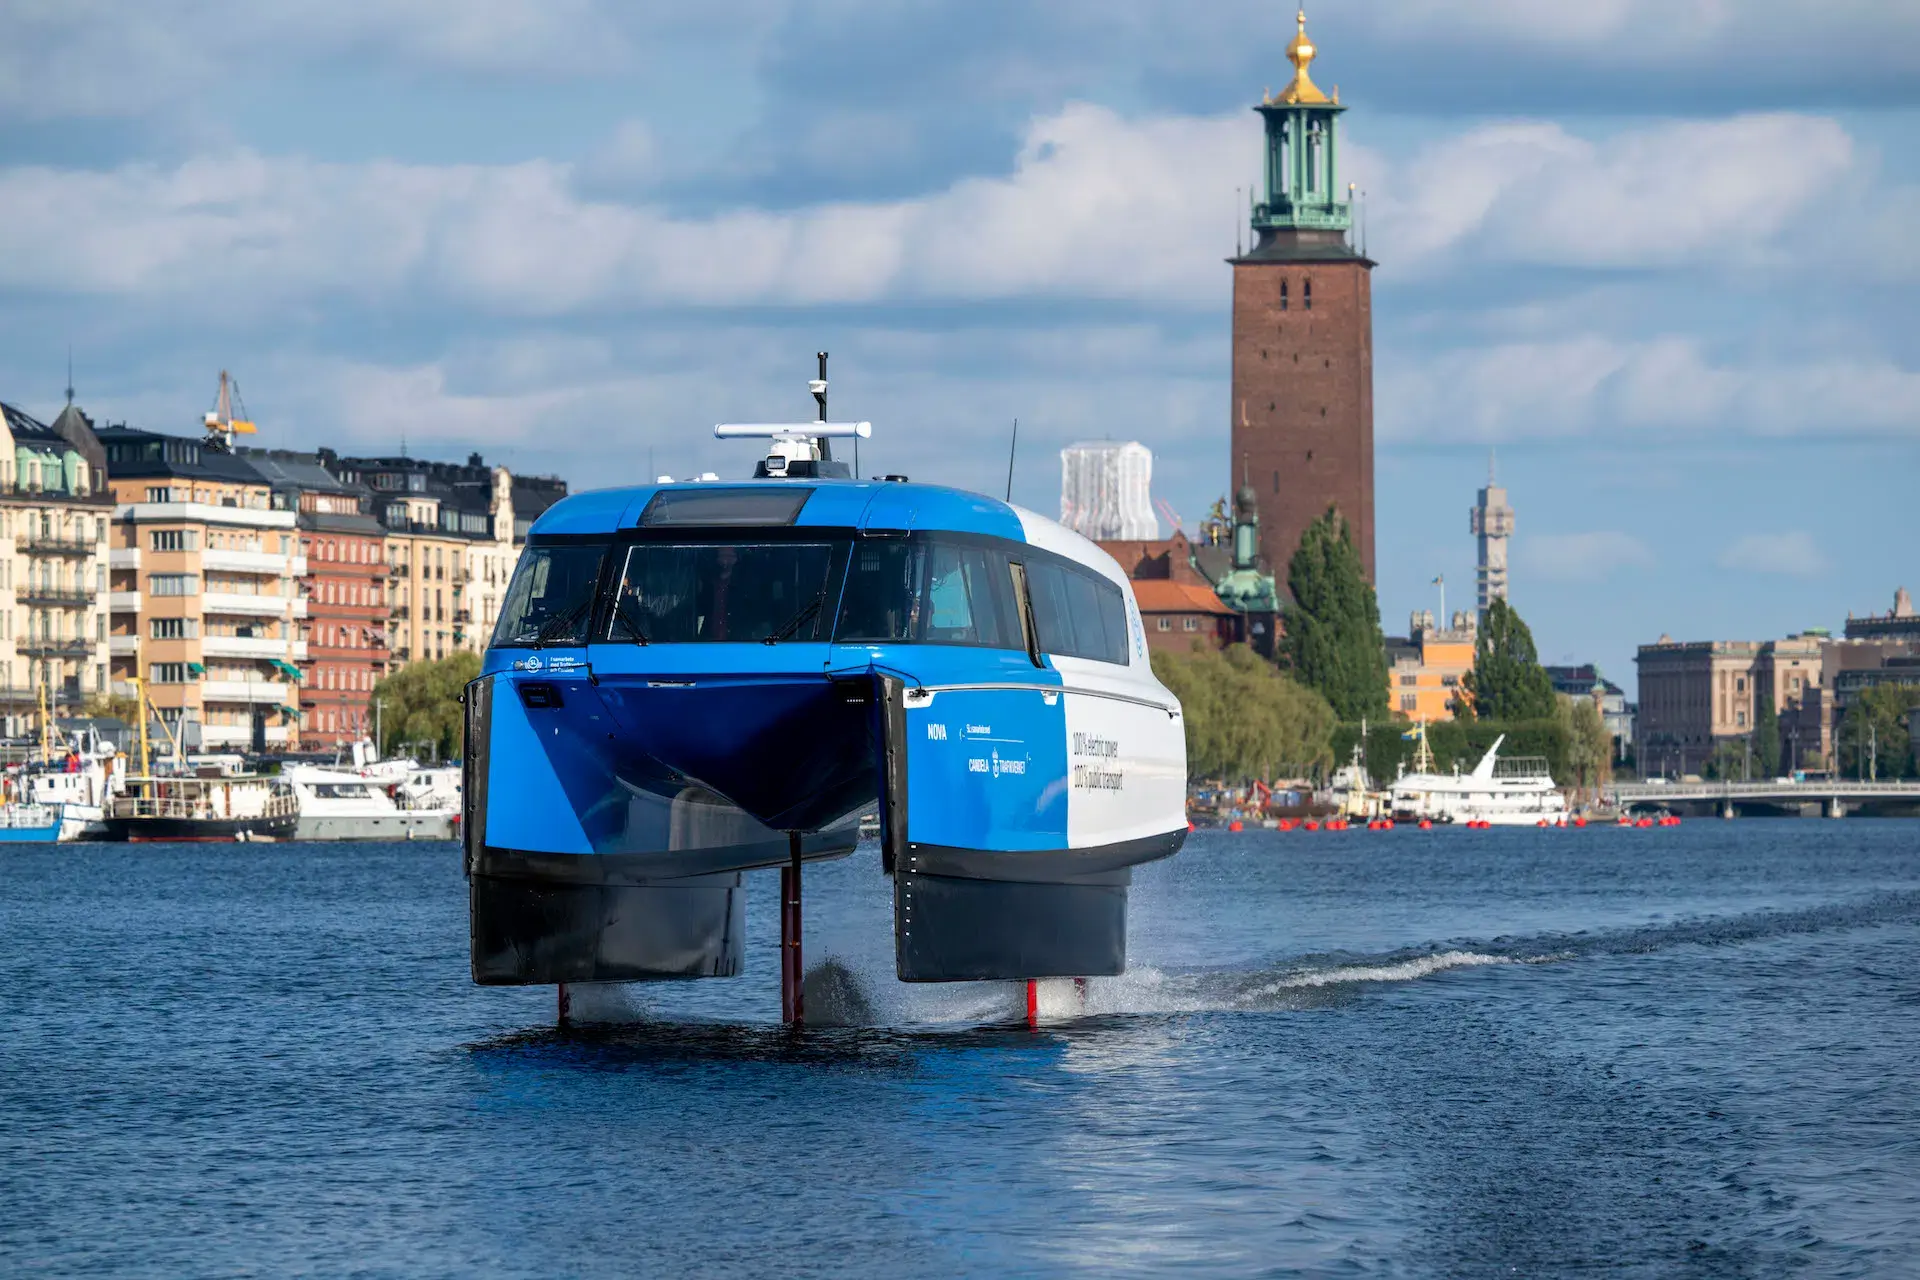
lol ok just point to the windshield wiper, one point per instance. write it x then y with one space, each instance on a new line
624 615
550 629
794 624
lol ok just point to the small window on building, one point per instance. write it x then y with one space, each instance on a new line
1409 682
1165 624
159 493
1283 295
1306 295
1409 702
1741 719
1190 624
1451 682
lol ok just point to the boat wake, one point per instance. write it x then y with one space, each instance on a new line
840 992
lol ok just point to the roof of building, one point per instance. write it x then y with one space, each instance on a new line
136 453
1158 595
1579 679
289 469
25 426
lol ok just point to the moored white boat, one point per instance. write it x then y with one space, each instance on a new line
1519 792
345 804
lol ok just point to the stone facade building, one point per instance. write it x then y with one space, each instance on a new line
1302 394
1696 696
54 516
453 533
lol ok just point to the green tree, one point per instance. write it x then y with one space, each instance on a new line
420 704
1244 719
1766 740
1589 745
1333 643
1507 681
1874 742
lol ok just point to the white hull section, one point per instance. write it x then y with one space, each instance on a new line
381 826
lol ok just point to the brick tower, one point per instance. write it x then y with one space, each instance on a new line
1303 331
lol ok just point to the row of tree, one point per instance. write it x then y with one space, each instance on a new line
1334 646
1244 718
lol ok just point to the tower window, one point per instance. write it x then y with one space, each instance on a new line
1306 294
1283 295
1276 482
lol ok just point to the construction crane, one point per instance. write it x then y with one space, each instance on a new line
1168 514
222 426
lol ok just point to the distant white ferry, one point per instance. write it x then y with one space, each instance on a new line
1504 793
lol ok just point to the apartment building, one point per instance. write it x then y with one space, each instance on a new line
1695 696
453 533
54 514
1427 669
345 590
206 603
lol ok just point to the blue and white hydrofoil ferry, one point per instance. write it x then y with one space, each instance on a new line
694 680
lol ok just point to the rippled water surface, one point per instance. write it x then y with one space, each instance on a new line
1686 1052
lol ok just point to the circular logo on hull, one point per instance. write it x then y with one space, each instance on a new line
532 664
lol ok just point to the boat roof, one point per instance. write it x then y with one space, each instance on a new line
868 505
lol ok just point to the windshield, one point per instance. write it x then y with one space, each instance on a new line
926 591
714 593
550 599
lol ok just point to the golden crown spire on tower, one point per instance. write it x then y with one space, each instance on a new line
1300 52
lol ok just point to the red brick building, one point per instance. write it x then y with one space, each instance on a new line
1178 605
1302 407
344 591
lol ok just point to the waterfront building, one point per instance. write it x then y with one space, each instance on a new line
206 602
1105 491
345 592
54 513
1302 394
1427 669
453 532
1217 589
1491 521
1901 623
1616 713
1696 696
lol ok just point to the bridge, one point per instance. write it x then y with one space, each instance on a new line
1835 797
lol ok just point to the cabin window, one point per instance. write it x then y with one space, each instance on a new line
1079 613
928 591
551 597
724 592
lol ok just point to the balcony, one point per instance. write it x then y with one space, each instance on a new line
46 647
401 611
253 647
58 544
206 513
56 597
240 736
257 692
123 601
262 562
462 615
123 646
123 558
259 606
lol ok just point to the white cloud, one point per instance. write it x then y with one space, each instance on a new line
1671 194
1095 206
1579 557
1594 384
1792 555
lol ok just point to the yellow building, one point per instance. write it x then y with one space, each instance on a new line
206 599
1429 668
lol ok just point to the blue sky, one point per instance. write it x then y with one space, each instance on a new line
1662 256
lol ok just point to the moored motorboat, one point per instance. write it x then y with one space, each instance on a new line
222 807
30 823
345 804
